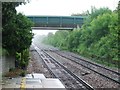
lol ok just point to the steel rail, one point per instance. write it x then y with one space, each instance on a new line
117 81
118 73
56 76
46 64
96 65
89 87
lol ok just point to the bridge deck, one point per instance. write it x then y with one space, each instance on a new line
51 28
57 21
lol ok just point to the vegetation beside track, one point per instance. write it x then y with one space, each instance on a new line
16 33
96 39
15 72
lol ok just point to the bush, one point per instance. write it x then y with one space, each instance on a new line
22 59
11 69
23 73
14 72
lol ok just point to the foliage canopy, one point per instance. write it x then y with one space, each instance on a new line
97 38
16 29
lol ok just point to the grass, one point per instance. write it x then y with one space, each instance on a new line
103 62
110 65
99 61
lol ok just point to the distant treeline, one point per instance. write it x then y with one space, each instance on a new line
97 38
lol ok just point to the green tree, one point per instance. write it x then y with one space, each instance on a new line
17 34
16 31
97 38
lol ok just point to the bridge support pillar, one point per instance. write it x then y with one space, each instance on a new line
78 27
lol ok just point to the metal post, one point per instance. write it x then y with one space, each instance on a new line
47 22
74 21
78 27
60 21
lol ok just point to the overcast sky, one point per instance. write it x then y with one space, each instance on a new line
63 7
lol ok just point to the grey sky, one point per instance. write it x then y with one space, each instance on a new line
62 7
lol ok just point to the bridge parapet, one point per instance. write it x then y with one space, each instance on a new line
57 21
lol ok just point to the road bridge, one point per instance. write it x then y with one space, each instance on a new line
57 22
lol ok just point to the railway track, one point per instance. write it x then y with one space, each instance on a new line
110 74
69 79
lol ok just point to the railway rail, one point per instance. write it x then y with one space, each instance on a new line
60 71
110 74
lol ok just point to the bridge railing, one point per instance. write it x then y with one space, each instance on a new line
57 21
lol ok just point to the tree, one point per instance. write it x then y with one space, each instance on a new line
86 13
97 38
16 31
8 11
